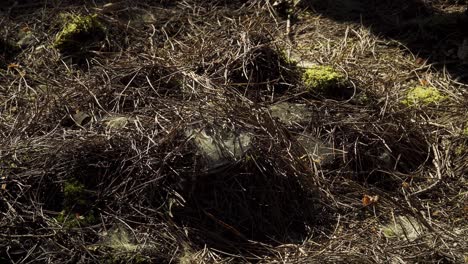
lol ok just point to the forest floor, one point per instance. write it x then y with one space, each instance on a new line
233 131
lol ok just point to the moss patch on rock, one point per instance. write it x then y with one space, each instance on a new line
79 34
322 78
422 95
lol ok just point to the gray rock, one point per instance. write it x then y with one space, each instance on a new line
219 146
318 151
290 113
26 39
403 227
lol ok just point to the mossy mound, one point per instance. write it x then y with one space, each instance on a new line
328 82
79 35
422 95
322 78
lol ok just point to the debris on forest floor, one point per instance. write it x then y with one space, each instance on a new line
210 131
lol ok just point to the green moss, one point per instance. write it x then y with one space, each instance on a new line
460 150
388 232
76 206
79 33
287 58
322 78
421 95
362 99
74 194
72 220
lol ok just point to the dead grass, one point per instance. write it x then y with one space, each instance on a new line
143 191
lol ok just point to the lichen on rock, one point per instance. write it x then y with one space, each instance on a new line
321 78
422 95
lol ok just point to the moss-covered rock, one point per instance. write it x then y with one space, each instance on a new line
79 34
403 227
323 79
422 95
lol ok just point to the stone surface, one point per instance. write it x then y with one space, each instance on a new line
403 227
290 113
319 152
218 145
116 122
26 39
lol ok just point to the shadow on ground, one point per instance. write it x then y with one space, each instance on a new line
436 31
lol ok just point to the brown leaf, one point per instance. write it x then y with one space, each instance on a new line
369 199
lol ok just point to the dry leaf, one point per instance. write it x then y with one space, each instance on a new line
369 199
25 28
420 61
78 216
